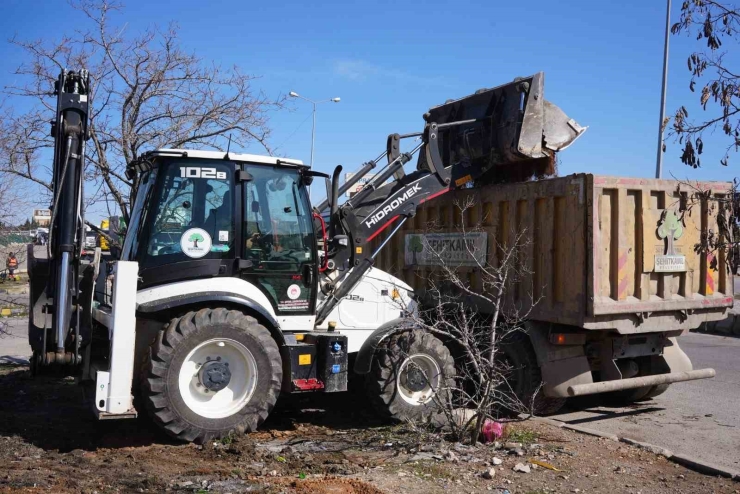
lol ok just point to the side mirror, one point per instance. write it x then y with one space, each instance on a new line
255 206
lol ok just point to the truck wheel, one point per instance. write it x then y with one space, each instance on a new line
211 373
626 396
407 371
524 375
656 390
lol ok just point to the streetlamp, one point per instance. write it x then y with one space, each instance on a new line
293 94
659 162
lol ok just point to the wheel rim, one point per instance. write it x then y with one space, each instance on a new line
418 379
232 392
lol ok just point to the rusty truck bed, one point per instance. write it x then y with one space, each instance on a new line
591 247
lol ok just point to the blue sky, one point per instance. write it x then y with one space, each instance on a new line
390 61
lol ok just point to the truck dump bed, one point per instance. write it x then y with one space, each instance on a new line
591 244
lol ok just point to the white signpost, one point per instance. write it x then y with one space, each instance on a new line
670 264
358 186
450 249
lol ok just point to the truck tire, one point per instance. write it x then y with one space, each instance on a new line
211 373
627 396
656 390
524 375
406 373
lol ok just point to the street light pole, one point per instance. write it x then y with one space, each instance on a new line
659 162
313 132
293 94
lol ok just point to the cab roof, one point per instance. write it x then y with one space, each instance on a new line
143 163
220 155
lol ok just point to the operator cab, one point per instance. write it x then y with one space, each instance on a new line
202 214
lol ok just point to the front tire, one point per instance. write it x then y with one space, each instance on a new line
410 374
211 373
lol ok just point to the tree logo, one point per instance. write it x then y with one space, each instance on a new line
195 238
195 243
671 229
415 246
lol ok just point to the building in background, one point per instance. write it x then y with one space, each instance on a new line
42 217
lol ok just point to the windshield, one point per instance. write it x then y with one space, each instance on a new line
192 213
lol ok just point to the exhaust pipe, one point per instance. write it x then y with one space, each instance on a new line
334 201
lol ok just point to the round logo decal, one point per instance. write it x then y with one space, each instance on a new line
294 291
195 243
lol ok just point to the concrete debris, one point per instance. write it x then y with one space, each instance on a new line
451 456
522 468
489 473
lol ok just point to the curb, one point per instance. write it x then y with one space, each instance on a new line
590 432
703 467
577 428
648 447
684 460
730 326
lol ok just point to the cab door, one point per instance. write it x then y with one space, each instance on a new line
278 239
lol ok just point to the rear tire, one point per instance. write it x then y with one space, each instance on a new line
408 370
656 390
525 377
627 396
211 373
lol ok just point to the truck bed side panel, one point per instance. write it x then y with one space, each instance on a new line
588 244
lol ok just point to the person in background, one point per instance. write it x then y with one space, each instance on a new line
11 263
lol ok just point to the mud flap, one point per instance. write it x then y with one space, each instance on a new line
673 359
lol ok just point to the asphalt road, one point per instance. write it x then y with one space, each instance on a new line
698 418
14 348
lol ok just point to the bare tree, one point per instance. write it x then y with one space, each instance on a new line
148 92
714 23
723 239
482 323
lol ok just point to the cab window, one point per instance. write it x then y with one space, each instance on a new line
277 222
193 213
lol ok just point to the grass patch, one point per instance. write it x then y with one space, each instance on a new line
524 436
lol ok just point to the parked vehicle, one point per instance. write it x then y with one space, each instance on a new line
613 270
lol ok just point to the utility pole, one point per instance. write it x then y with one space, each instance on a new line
659 162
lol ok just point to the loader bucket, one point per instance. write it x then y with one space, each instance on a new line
511 133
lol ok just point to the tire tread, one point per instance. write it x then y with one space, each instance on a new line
155 370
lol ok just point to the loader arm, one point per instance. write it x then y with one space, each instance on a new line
504 134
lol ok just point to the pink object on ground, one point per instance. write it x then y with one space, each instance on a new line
492 431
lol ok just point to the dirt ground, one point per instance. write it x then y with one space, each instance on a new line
50 442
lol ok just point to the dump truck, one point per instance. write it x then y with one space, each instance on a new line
614 273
